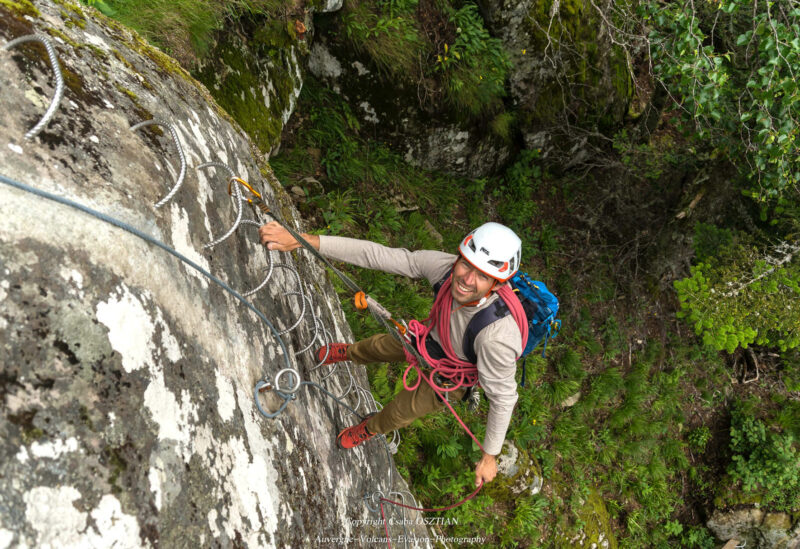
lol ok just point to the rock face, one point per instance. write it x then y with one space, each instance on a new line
127 377
428 140
563 62
256 77
756 527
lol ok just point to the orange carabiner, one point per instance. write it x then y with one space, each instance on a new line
400 327
245 184
360 300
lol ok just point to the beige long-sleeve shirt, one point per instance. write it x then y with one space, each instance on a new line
497 346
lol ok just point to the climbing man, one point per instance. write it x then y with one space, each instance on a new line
466 284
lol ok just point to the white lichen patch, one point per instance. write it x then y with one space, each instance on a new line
23 456
322 64
36 99
226 403
130 329
51 514
259 475
6 537
212 523
169 343
182 242
95 40
297 85
265 95
360 68
174 419
332 5
54 449
75 279
154 476
369 113
112 527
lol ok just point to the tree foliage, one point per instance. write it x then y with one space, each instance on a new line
731 67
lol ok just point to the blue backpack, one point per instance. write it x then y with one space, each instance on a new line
539 304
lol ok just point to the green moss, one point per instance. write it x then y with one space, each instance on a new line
74 8
164 61
122 59
20 7
72 14
117 465
97 52
275 34
55 33
139 109
240 90
30 435
596 525
596 71
74 82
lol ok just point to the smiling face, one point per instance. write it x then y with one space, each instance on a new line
469 284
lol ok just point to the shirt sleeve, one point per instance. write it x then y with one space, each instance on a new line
497 347
428 264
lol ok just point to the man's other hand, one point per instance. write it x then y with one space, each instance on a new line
486 469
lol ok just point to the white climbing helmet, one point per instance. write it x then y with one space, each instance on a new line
493 249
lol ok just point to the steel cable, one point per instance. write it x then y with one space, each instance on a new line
181 156
144 236
59 93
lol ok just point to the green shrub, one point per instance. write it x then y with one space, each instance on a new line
475 66
743 296
388 33
699 438
765 462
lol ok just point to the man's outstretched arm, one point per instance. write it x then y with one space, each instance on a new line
427 264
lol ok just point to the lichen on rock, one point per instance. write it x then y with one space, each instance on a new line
127 379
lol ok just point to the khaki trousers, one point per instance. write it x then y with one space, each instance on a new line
406 406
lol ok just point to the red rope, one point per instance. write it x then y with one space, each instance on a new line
433 510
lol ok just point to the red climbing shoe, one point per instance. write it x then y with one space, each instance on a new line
355 435
338 353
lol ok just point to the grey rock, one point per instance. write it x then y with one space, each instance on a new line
427 139
127 379
536 485
571 401
756 527
507 461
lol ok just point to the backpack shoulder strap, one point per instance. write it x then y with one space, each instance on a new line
438 285
480 321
